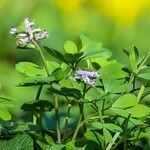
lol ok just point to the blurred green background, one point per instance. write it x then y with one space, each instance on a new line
117 23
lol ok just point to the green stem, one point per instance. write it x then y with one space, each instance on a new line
42 56
67 118
57 120
37 98
78 127
81 117
56 100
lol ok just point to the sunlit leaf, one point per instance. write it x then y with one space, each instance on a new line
125 101
70 47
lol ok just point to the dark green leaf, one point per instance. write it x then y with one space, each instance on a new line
40 105
37 80
56 54
137 55
59 74
72 58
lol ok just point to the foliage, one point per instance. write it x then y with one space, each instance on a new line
113 92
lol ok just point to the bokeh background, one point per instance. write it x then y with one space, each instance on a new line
117 23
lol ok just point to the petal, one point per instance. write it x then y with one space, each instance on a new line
28 22
23 41
41 35
13 30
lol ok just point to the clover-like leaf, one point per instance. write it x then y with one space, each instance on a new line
70 47
125 101
30 69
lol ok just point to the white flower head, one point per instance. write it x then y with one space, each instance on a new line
28 32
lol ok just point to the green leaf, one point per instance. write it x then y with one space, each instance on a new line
145 76
56 54
84 39
20 142
37 80
49 139
144 73
5 102
93 49
107 135
95 136
71 92
93 94
126 52
97 125
139 111
4 114
52 66
136 51
120 112
70 47
113 70
113 127
133 62
72 58
40 105
57 147
59 74
30 69
125 101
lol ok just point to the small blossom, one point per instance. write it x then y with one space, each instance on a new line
27 33
88 77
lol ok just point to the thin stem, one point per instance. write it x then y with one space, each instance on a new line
113 141
67 118
56 100
42 56
125 123
81 117
57 120
37 98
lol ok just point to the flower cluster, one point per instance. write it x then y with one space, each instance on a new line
88 77
27 32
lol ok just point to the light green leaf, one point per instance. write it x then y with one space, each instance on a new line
107 135
120 112
133 62
125 101
145 76
97 125
4 114
113 127
30 69
144 73
84 39
70 47
52 66
139 111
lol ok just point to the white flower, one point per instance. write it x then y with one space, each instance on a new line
28 33
88 77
